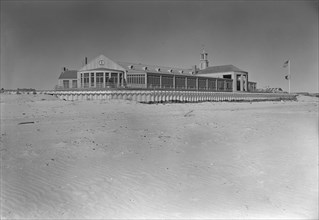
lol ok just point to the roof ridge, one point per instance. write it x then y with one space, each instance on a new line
222 68
153 65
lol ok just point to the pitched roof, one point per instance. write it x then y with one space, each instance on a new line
68 74
221 69
101 62
139 67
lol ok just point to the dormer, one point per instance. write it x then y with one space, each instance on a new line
145 68
170 70
158 69
130 67
181 71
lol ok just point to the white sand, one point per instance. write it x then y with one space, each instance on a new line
120 159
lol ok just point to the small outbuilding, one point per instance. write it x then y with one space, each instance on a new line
68 79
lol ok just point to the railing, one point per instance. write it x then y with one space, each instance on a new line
151 96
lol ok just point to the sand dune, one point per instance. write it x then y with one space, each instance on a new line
121 159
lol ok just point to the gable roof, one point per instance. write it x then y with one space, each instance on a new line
68 74
102 62
221 69
139 67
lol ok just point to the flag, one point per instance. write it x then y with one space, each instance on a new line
286 64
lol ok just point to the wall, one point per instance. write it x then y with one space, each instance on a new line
60 83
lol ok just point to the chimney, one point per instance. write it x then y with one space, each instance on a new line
86 60
194 69
64 69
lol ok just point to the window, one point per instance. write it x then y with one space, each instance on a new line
167 81
211 84
74 83
153 81
92 79
220 85
229 85
99 80
107 79
202 84
86 80
191 83
180 82
65 84
136 81
114 78
141 79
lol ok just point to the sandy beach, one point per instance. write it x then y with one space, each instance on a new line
121 159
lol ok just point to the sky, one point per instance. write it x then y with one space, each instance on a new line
39 38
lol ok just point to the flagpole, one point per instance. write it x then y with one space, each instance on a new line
289 76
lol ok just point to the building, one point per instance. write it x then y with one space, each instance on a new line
68 79
238 76
102 72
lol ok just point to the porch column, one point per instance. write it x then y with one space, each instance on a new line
109 76
206 84
234 76
95 80
216 84
185 82
145 80
89 79
246 82
104 79
196 83
160 81
118 80
241 82
78 84
174 82
122 82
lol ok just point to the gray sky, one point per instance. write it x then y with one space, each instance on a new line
38 38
